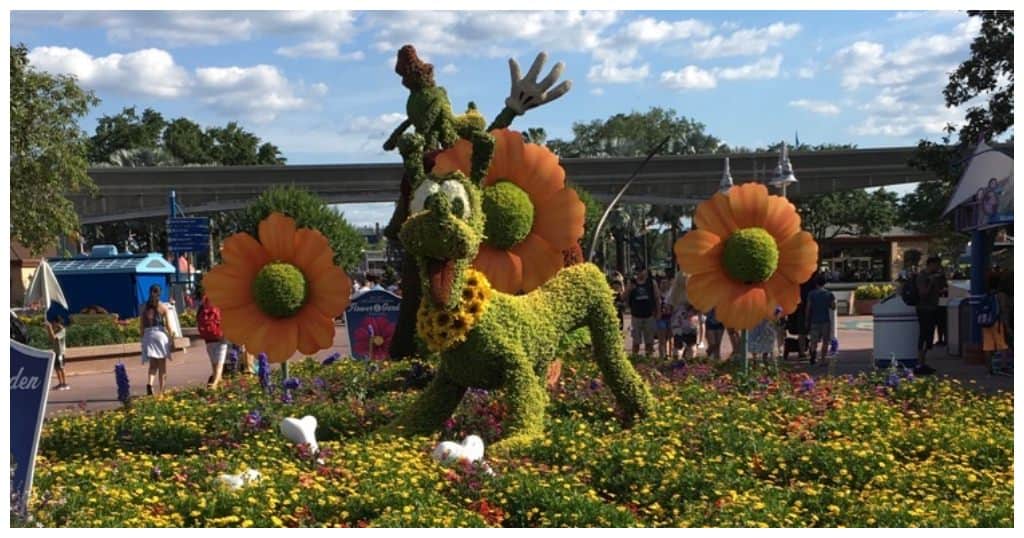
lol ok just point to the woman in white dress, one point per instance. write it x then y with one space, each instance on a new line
156 338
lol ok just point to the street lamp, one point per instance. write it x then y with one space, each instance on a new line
726 183
783 175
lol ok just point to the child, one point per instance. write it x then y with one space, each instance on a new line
684 329
763 340
714 331
818 313
994 330
58 343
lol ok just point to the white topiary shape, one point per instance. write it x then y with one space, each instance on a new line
301 431
236 481
471 449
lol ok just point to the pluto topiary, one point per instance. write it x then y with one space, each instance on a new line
489 339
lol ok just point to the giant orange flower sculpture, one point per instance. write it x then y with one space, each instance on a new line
280 294
531 215
747 256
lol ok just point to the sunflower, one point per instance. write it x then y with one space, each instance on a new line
280 294
747 256
531 215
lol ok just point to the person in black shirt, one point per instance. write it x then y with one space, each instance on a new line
644 303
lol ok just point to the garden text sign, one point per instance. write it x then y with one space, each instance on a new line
371 321
30 382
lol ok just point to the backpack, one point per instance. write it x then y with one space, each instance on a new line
208 323
909 292
988 311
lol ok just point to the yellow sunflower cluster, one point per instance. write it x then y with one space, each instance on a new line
444 328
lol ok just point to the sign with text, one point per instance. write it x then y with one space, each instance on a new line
188 234
371 321
30 383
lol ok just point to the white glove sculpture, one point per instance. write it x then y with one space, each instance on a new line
527 93
301 431
471 450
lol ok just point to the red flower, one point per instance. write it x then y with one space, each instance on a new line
373 330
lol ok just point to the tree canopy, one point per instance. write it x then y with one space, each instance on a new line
150 140
635 134
49 153
855 212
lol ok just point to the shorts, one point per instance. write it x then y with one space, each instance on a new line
688 339
662 324
58 361
993 338
643 329
820 331
217 351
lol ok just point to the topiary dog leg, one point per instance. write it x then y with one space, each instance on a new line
526 399
429 411
629 389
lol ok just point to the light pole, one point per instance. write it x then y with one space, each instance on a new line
726 183
783 175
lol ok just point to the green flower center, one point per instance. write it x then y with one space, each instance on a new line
509 214
751 255
279 289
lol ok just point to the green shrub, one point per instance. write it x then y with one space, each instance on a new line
874 291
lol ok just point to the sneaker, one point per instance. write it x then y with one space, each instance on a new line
65 386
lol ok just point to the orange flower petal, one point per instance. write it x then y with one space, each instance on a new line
229 286
241 323
783 292
501 166
312 254
280 338
277 235
547 179
329 292
708 290
744 308
540 261
714 215
316 331
560 220
798 257
699 251
243 250
749 204
454 158
781 219
502 268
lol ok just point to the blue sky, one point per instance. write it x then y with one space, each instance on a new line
321 85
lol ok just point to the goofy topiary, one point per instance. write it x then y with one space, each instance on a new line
485 338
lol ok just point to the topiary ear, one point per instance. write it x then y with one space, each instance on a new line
483 151
411 148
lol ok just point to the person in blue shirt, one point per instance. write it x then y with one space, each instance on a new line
818 313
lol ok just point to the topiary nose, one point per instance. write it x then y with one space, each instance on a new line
438 204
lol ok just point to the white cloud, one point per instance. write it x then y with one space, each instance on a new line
449 69
805 72
746 42
608 73
919 121
866 63
260 92
446 33
597 91
650 30
823 108
690 77
327 50
765 68
150 72
359 138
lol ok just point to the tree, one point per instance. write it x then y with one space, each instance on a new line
269 154
987 72
635 134
855 212
186 140
49 153
309 211
535 135
125 131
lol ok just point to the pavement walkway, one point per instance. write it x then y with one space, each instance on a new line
93 386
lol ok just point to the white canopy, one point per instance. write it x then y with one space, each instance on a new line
44 288
988 168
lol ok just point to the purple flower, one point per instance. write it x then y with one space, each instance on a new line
124 393
287 397
264 368
319 383
292 383
807 385
331 358
254 419
833 347
595 384
893 380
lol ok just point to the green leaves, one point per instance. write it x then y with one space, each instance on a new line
48 153
634 134
855 212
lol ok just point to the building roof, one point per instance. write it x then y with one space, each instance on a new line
21 253
129 264
896 232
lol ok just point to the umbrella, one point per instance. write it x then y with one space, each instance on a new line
44 288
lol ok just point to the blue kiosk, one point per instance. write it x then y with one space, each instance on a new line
117 282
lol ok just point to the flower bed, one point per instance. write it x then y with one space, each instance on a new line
722 451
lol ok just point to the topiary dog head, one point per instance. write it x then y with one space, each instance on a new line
446 220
